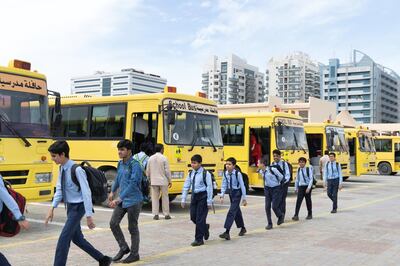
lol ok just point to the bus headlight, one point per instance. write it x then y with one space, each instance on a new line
177 175
43 178
220 173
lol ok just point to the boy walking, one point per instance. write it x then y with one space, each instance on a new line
78 202
232 183
9 202
333 179
303 188
273 191
283 172
200 183
128 181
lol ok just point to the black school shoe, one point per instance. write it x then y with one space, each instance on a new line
334 211
105 261
281 220
225 236
268 227
295 218
309 217
197 243
207 233
131 258
243 231
121 253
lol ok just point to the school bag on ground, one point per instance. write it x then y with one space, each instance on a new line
8 226
96 179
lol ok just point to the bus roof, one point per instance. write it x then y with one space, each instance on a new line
324 124
80 98
22 72
259 115
397 138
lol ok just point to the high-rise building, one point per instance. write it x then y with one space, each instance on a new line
368 90
232 80
293 78
127 81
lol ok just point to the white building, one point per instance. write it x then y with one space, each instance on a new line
294 77
232 80
127 81
369 91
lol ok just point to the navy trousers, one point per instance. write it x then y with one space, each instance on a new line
3 260
198 214
301 194
72 232
273 198
332 190
285 188
234 213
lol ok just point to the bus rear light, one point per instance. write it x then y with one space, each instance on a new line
170 89
201 94
20 64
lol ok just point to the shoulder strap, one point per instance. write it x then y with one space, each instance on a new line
337 167
73 176
272 172
308 171
205 177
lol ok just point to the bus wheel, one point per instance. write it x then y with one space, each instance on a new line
385 168
110 174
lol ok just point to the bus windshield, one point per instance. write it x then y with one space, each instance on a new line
336 139
193 129
26 113
290 136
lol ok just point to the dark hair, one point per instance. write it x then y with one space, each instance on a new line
333 154
159 147
59 147
326 153
147 148
277 152
232 160
197 158
264 160
302 159
126 143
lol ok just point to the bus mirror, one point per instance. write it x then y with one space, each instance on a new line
171 117
57 105
57 121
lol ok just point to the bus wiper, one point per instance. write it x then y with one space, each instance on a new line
14 131
212 144
193 142
204 134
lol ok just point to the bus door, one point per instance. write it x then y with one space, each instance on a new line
315 149
396 157
144 130
353 155
260 145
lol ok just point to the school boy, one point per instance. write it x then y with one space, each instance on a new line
333 179
232 184
199 181
303 188
284 171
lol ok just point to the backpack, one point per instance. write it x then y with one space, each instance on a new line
337 166
245 178
213 181
283 171
8 226
96 179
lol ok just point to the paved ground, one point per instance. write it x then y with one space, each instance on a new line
365 231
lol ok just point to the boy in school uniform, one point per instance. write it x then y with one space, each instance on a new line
333 179
199 181
303 188
78 204
232 183
284 171
273 191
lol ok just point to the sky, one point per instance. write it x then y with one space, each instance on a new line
175 39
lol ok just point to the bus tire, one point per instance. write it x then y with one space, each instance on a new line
385 168
110 174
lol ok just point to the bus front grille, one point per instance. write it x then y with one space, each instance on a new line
343 166
17 181
14 173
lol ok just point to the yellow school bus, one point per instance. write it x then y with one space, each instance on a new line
186 125
25 130
330 137
274 130
362 150
388 154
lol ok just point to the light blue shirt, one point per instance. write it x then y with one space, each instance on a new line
285 167
199 185
142 157
331 171
237 183
72 192
5 198
272 177
304 177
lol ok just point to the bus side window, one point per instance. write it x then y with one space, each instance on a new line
144 129
108 121
74 122
397 152
232 132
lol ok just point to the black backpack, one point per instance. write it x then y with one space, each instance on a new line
308 175
245 179
283 171
96 179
